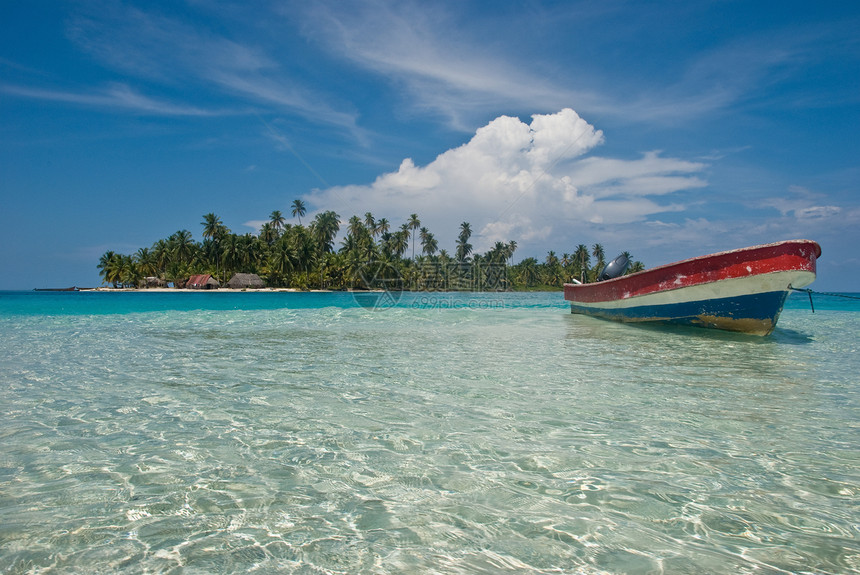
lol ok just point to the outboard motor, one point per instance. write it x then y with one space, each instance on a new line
614 269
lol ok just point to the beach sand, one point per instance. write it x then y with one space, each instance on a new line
218 290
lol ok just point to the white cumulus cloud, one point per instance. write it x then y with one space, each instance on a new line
514 180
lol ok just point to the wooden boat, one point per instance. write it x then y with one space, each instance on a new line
740 290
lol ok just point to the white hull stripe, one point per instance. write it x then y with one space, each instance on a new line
764 283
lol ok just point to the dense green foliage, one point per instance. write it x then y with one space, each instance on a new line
371 255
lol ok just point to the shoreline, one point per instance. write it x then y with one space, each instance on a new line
185 290
289 290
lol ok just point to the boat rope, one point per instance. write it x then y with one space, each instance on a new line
810 292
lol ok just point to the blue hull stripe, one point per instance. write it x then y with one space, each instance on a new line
765 307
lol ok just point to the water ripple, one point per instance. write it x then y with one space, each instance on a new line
342 440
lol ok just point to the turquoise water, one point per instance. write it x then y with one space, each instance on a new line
435 433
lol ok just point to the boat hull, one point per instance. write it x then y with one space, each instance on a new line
741 290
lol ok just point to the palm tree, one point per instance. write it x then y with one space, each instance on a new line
405 229
212 225
429 245
528 272
252 253
177 272
370 222
298 209
382 227
598 252
580 259
231 254
302 244
106 267
349 243
553 270
368 248
464 248
414 224
356 228
129 272
400 241
145 261
512 247
566 262
635 266
282 258
214 229
269 233
181 246
161 252
277 220
498 254
324 228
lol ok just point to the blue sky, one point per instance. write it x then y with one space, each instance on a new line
666 129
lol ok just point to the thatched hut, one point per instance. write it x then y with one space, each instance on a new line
154 282
245 281
202 281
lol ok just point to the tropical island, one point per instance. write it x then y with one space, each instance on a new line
372 255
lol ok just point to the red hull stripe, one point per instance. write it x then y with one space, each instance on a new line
794 255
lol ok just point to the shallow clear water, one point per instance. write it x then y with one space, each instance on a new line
474 433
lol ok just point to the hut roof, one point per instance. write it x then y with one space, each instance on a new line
202 281
241 281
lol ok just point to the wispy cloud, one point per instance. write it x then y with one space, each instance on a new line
156 48
764 69
651 175
116 96
446 64
424 50
254 225
803 205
